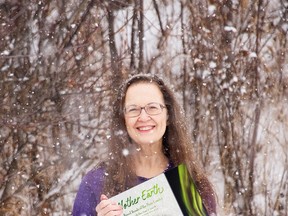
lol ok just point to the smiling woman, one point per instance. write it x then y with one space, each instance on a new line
145 129
154 138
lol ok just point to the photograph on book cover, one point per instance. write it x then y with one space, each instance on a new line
168 194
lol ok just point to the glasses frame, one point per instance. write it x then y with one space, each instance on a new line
144 107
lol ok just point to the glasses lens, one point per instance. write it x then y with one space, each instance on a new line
153 109
132 111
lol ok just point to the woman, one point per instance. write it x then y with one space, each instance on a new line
149 136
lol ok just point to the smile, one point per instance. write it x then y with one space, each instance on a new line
146 128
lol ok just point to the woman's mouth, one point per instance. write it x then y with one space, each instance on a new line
145 128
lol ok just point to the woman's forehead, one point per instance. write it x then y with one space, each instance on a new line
143 93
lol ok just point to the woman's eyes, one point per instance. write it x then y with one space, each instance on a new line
132 109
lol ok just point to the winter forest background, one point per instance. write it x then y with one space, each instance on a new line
61 62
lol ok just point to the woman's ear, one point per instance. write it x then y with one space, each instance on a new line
167 120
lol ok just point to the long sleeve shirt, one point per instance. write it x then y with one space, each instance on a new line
90 190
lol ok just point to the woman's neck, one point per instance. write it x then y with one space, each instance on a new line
149 162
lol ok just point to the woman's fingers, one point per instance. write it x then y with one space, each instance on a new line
112 209
108 207
103 197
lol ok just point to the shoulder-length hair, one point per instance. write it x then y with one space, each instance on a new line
177 143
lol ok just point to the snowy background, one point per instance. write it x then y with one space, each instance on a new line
62 61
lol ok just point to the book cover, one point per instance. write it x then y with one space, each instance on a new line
172 193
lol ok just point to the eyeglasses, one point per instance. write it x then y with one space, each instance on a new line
150 109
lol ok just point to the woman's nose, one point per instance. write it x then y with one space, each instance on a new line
143 115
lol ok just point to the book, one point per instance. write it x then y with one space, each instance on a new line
172 193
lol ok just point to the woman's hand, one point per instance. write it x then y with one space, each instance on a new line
108 208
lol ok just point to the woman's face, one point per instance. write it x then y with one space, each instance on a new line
145 129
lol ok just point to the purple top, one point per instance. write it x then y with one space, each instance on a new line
90 190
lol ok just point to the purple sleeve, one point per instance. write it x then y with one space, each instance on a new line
89 193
